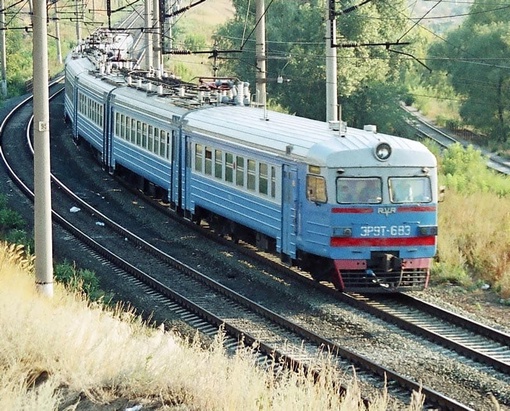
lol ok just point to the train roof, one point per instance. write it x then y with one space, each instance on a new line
304 139
285 135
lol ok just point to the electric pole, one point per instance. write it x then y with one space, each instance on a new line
332 107
42 184
3 49
260 52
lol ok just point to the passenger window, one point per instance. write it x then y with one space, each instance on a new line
229 168
250 183
138 133
150 143
218 164
133 131
162 143
273 182
168 147
263 178
144 135
198 158
316 188
156 141
239 171
208 161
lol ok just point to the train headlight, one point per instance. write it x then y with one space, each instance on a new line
383 151
342 231
427 230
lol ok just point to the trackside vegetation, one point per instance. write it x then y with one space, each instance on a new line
69 353
474 223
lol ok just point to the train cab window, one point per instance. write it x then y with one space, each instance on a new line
358 190
208 161
239 171
229 168
251 176
410 190
218 164
263 178
198 157
316 188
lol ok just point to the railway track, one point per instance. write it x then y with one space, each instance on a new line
428 130
313 339
242 318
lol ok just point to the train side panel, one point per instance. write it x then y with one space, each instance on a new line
236 183
143 140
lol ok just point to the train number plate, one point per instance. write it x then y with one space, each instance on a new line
385 230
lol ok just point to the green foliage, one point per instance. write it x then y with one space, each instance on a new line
445 273
295 41
195 42
78 280
470 56
465 170
9 219
376 103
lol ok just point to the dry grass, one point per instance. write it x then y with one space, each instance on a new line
64 353
474 239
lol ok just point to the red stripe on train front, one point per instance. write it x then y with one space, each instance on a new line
352 210
382 242
367 210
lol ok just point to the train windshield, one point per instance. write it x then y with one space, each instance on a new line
410 190
365 190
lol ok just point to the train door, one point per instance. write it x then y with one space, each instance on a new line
175 182
185 172
74 112
108 118
289 211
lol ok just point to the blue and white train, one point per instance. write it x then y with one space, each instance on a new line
353 207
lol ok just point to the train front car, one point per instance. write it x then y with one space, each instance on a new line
370 207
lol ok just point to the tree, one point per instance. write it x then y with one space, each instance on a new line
296 51
474 57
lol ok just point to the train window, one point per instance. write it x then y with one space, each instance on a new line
198 157
138 133
218 164
144 135
150 142
101 114
133 131
359 190
156 141
162 144
250 182
208 161
168 146
117 124
263 178
229 168
239 171
273 182
316 189
410 190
